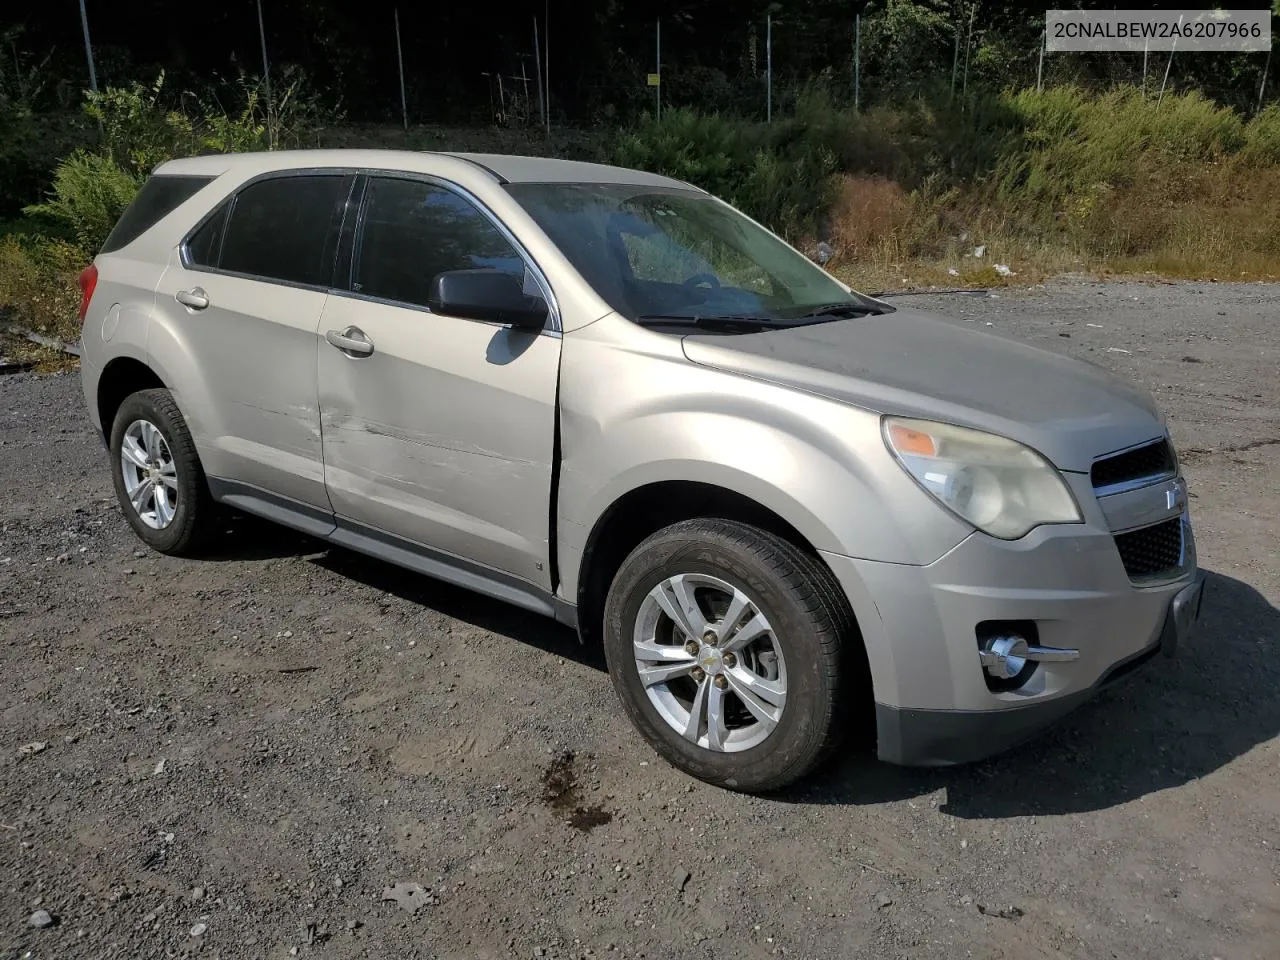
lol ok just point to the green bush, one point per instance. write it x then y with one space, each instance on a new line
1112 177
1078 146
709 151
30 146
138 132
38 284
777 173
143 126
1262 137
90 191
36 129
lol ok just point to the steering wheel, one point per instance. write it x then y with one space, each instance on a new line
709 280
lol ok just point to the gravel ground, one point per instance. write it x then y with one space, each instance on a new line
245 756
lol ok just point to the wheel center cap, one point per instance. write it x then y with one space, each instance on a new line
711 660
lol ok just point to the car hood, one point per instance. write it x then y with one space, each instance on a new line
908 363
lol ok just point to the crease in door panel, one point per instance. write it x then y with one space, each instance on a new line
379 429
303 414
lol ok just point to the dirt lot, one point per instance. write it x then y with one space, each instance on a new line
237 756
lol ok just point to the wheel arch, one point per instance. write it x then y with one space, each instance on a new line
648 508
644 510
122 376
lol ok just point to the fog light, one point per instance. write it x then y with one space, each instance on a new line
1004 657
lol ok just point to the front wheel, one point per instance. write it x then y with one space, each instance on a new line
725 644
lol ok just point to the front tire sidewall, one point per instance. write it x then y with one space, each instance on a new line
179 532
790 749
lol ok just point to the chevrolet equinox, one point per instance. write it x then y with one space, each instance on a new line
786 510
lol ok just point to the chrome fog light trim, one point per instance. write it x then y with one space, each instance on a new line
1005 657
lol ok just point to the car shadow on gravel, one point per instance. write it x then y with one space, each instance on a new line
246 538
250 538
1171 723
495 616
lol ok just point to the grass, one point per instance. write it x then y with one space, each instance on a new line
1046 182
38 292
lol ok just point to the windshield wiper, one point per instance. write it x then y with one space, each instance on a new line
847 309
710 321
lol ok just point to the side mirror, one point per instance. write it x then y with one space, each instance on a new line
486 295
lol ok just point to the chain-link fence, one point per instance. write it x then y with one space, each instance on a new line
529 64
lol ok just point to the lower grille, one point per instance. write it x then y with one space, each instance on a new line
1152 551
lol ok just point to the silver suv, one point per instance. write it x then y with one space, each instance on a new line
787 511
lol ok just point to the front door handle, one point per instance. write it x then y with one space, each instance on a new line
351 341
195 298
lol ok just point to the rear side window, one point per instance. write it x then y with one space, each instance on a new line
204 249
158 198
413 231
285 228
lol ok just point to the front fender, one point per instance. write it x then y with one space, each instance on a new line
634 414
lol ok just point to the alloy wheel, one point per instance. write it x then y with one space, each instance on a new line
150 475
710 662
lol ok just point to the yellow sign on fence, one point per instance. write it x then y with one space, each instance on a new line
655 79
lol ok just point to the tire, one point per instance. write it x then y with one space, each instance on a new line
186 519
811 629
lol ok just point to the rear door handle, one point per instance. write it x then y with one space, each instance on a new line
195 298
351 341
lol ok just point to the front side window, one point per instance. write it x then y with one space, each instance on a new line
413 231
285 228
658 251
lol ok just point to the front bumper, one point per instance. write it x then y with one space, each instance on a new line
919 626
945 737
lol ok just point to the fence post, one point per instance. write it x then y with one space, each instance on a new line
524 78
404 103
657 91
955 62
266 70
768 67
857 60
968 45
88 49
1263 86
1044 42
546 57
537 66
1168 66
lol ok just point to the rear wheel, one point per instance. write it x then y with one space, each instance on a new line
158 478
725 643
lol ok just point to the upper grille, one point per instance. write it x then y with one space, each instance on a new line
1148 461
1153 550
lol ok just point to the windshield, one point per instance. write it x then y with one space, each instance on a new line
666 252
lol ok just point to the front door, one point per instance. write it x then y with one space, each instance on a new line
436 429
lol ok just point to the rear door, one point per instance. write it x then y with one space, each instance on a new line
245 292
442 431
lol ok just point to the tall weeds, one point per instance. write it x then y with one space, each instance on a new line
1056 176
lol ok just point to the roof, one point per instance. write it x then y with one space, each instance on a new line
515 169
502 167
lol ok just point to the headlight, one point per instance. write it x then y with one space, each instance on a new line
1000 486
